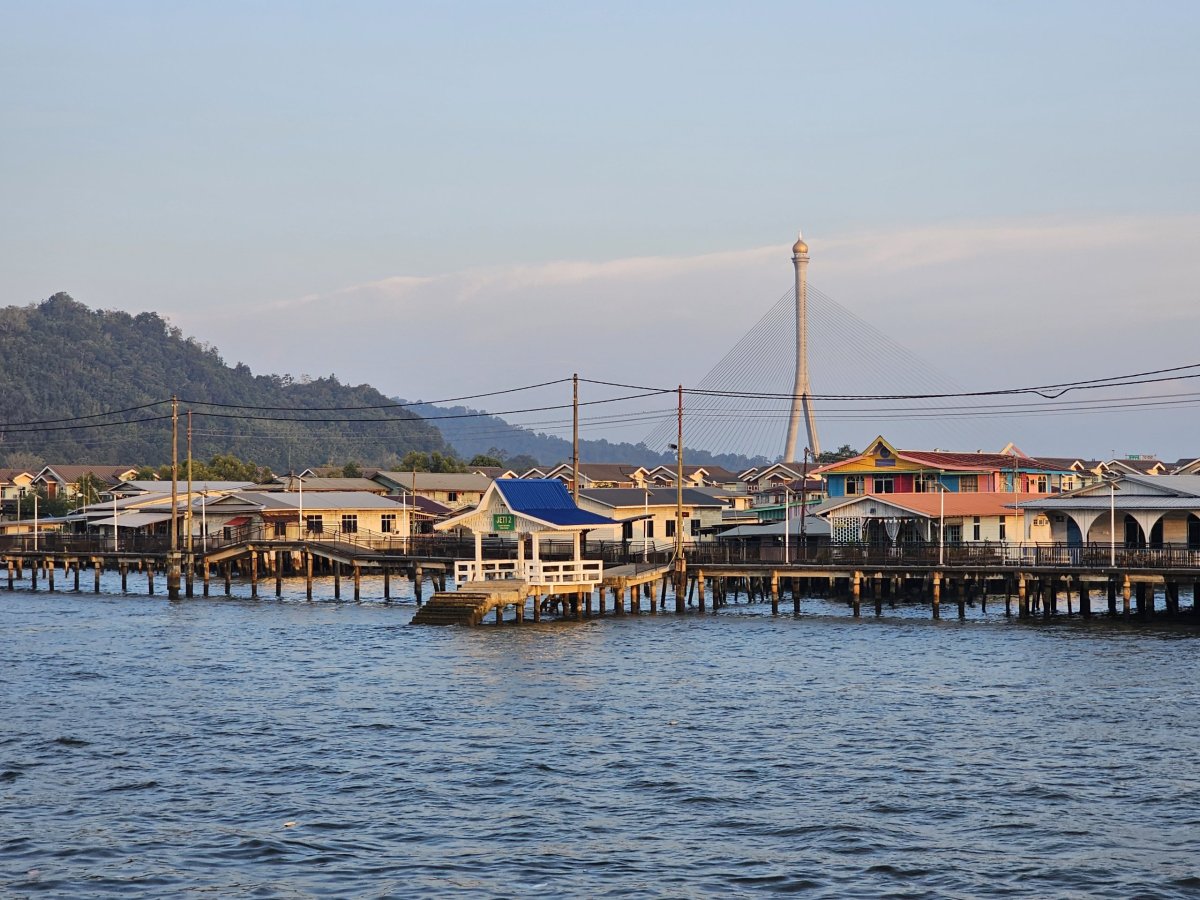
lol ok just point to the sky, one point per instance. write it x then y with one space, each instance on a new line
448 199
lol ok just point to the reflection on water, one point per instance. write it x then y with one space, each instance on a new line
302 748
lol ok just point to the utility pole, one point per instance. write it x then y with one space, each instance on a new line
187 516
804 507
680 563
173 562
575 440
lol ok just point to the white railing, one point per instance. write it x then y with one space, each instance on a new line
571 571
488 570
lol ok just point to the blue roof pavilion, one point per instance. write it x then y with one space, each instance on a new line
528 506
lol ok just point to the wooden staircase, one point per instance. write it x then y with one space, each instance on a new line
455 608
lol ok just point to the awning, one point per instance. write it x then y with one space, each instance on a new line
237 521
133 520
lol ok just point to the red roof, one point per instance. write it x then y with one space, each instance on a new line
956 504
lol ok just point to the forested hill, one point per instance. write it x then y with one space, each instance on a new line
61 360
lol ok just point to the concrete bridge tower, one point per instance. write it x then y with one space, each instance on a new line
802 392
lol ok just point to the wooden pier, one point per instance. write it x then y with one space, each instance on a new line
634 588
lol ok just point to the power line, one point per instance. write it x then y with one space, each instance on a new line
528 387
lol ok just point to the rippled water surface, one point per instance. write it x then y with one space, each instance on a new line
293 749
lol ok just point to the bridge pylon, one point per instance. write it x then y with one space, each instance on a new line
802 391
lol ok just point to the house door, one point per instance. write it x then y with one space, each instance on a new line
1193 532
1074 535
1134 539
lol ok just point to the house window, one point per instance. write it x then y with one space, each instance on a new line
314 524
627 531
695 527
649 528
968 484
280 529
349 523
854 485
975 528
387 523
884 485
1004 528
670 528
1039 484
953 534
452 496
925 483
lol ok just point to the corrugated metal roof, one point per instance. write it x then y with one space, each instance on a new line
164 487
814 526
438 481
614 497
1122 504
317 500
546 499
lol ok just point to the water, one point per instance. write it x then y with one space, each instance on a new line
292 749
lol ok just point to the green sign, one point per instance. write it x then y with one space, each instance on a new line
504 522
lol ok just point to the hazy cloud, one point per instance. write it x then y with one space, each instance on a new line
992 304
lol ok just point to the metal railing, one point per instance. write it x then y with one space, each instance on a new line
999 555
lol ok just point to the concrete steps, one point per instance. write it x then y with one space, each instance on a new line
454 608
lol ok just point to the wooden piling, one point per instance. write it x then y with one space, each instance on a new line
308 576
206 574
96 564
357 583
1022 598
150 578
337 580
1126 591
227 571
75 563
537 607
387 584
1085 600
278 576
253 574
418 577
937 595
856 594
11 585
49 562
774 593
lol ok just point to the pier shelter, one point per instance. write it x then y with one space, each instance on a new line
1152 511
535 509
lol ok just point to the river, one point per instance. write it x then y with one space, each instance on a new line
302 749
